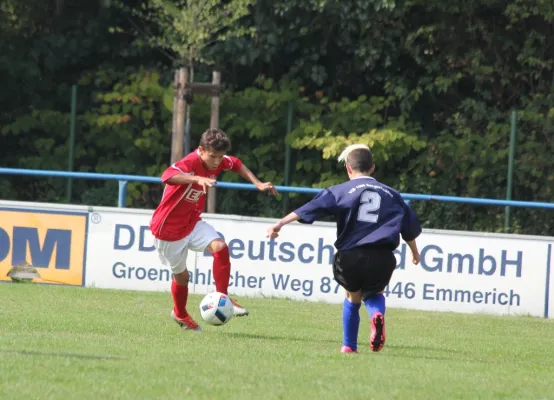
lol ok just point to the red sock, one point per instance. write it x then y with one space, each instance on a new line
180 295
222 270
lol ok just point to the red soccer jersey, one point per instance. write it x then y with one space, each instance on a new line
181 205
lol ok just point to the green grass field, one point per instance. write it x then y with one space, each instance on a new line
76 343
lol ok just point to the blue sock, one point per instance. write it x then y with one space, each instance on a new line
350 324
374 304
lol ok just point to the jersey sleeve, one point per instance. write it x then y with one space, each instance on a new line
411 228
320 206
231 163
183 166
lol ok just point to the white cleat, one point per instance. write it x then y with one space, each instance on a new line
238 310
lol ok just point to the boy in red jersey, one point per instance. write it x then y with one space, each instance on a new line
177 226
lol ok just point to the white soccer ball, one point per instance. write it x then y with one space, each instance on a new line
216 308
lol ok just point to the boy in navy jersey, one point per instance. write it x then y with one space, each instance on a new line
370 218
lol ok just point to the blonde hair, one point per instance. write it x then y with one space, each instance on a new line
344 155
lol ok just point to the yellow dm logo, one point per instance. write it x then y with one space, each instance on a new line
54 243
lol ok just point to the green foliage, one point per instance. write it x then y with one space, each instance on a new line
124 132
255 120
429 85
188 28
473 71
331 126
131 123
323 43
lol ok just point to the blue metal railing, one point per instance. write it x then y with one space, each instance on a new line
125 179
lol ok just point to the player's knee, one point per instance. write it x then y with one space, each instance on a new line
222 255
354 297
217 246
182 278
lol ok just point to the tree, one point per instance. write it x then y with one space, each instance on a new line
188 29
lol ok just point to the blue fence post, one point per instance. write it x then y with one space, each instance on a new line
122 196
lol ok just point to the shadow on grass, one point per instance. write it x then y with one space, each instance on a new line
420 348
66 355
415 348
396 351
278 338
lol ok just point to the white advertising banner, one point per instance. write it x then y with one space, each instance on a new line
297 265
121 253
459 271
472 273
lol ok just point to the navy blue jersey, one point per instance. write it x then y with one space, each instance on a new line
367 213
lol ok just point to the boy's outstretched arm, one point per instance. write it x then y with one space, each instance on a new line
262 186
322 204
273 232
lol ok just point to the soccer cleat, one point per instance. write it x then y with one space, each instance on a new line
187 323
239 311
377 339
347 349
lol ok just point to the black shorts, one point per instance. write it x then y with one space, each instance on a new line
368 269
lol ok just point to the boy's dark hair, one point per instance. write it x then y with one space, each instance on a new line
215 139
360 160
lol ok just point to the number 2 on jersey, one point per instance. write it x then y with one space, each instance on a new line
370 202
